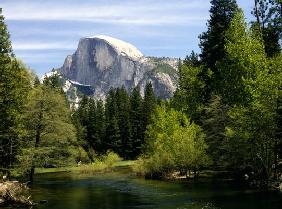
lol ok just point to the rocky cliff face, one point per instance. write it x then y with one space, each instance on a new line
102 62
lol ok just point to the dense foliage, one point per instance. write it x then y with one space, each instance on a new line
175 144
119 124
14 88
35 123
225 114
50 135
242 116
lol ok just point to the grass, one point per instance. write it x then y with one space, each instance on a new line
87 168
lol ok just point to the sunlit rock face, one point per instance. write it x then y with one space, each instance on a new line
102 62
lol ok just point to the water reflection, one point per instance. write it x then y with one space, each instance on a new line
120 191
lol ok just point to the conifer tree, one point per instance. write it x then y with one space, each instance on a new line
269 22
123 106
192 60
47 120
136 121
214 121
100 127
15 82
91 136
149 105
212 42
80 119
112 135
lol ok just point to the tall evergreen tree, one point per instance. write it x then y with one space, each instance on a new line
100 127
149 105
80 119
91 136
212 42
15 82
214 122
136 121
47 120
123 106
192 60
269 22
112 135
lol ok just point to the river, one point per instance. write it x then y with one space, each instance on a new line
123 191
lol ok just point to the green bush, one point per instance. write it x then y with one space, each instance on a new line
174 144
102 163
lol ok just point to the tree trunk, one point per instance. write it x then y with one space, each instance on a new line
257 16
37 140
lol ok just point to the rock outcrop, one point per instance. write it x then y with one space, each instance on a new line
13 192
103 62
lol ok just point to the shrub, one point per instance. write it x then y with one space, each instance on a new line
173 144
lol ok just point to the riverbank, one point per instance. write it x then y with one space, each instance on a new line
88 168
13 192
120 188
128 167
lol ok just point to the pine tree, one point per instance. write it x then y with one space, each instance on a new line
80 119
136 121
192 60
123 106
214 121
212 42
47 120
149 105
100 127
269 22
15 83
91 136
112 135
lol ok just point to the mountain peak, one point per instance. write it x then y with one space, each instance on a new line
122 47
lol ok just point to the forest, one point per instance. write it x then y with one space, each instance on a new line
224 116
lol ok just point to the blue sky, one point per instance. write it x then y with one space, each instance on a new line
44 32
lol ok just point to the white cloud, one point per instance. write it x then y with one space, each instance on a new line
42 46
146 12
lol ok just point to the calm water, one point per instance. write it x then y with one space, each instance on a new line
120 191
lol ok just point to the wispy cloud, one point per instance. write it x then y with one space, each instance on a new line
147 12
43 46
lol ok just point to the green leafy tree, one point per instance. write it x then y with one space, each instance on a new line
15 83
189 96
173 144
254 84
245 58
50 138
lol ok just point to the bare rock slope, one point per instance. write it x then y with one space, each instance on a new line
102 62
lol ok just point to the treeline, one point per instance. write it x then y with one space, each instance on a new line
36 129
228 103
225 114
118 124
